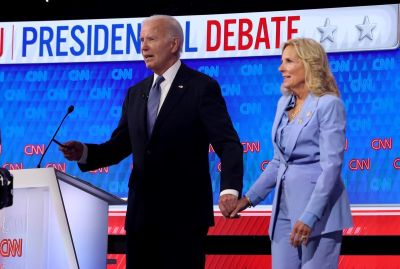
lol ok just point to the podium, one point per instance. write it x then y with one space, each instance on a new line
56 221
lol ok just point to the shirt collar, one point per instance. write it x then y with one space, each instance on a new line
292 103
170 74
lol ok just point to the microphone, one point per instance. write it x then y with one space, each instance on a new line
289 107
291 104
69 111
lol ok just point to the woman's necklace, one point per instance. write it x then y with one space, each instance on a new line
296 110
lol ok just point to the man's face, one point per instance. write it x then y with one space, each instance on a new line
158 47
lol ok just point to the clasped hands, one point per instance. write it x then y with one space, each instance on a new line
230 206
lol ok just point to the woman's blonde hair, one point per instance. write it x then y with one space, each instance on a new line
319 78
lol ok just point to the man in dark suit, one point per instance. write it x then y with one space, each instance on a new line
168 121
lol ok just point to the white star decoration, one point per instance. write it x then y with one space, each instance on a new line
366 29
327 31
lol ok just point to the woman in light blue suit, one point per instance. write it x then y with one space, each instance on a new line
310 207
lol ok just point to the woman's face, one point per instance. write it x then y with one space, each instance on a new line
292 69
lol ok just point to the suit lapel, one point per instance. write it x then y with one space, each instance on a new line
175 93
300 121
279 113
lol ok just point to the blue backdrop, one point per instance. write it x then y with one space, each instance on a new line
35 97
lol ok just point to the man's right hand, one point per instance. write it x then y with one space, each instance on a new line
72 150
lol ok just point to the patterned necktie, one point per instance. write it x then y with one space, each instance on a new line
153 104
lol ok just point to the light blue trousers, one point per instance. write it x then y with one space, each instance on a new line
321 252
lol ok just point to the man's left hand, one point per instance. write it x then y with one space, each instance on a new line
227 203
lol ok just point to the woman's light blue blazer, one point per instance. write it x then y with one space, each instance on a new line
310 166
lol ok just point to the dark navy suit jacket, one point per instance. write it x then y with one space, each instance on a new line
170 183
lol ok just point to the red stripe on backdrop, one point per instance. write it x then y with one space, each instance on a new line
264 262
256 223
